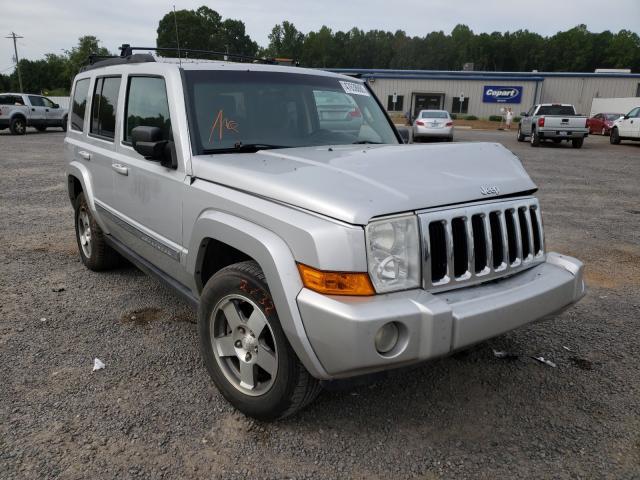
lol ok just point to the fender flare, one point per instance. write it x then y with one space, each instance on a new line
276 261
80 171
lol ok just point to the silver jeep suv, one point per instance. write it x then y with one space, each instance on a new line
313 250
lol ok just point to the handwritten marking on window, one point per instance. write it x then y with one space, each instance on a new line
222 124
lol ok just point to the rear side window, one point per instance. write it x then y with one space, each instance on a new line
147 106
103 106
36 101
79 106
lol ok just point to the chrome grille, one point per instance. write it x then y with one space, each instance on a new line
476 243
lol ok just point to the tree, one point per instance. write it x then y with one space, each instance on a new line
203 29
285 41
78 56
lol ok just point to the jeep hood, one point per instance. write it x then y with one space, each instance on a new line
357 182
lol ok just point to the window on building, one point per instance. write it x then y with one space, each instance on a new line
103 106
147 105
398 106
457 108
79 106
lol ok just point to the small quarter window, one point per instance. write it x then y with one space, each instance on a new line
147 105
79 106
103 106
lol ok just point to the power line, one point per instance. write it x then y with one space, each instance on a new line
15 49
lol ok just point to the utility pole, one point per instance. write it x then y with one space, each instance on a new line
15 49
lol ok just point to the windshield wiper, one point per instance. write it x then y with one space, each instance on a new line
244 148
362 142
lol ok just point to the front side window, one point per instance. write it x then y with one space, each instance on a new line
47 103
79 105
234 110
147 105
36 101
634 113
103 106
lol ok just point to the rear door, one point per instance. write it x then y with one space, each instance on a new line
148 196
38 116
100 145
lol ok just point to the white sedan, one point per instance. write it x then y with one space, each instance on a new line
433 124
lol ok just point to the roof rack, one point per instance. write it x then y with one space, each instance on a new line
99 61
127 50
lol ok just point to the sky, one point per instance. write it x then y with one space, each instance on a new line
52 26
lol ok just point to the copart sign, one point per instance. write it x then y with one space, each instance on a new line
501 94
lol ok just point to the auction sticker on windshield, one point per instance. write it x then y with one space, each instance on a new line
354 88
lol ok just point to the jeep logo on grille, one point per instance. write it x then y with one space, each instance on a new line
492 190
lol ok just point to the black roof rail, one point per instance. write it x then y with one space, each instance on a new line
105 61
127 50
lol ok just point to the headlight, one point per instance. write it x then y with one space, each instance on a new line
393 253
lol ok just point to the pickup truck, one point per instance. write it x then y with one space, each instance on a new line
553 121
626 127
312 250
20 110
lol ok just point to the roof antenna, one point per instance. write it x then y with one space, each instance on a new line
175 21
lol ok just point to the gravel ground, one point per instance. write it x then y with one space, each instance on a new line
154 413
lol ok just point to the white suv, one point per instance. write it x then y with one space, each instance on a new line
626 128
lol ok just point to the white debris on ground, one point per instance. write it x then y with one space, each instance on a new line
97 364
545 361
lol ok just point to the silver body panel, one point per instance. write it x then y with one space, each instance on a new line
556 126
310 205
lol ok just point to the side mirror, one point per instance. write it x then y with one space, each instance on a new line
404 133
55 105
148 142
626 117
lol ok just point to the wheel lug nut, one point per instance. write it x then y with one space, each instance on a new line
247 357
255 349
238 343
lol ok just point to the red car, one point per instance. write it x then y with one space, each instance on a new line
602 122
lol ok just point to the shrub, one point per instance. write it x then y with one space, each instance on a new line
516 119
495 118
454 116
471 117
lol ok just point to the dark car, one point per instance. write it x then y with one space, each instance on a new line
602 122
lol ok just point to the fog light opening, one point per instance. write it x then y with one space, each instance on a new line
387 337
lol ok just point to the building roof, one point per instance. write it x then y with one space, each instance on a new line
472 75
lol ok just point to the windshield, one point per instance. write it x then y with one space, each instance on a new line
434 115
556 110
231 110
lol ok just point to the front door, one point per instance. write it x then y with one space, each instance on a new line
426 101
54 113
626 126
148 196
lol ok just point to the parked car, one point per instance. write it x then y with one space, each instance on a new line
433 124
626 127
601 123
19 111
553 121
311 254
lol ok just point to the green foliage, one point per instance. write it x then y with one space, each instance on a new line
203 29
285 41
495 118
471 117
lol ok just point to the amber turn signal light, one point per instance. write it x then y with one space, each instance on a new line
336 283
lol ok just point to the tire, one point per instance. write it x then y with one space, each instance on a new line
94 251
614 137
64 124
520 137
18 126
256 371
577 142
557 140
535 139
450 139
41 129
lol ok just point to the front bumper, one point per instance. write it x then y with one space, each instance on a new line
341 330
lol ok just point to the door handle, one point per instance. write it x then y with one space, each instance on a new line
33 109
84 155
121 169
46 110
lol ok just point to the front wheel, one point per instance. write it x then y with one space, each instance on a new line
64 124
520 135
577 142
245 349
614 138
